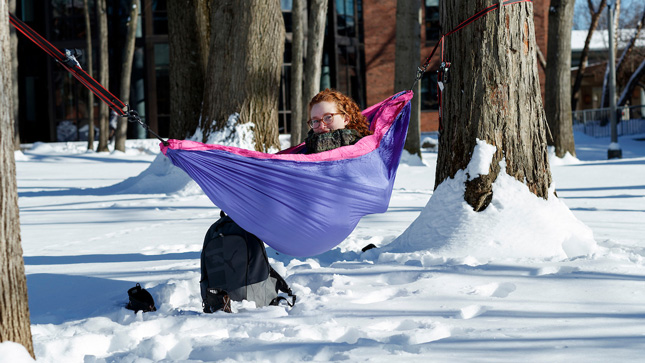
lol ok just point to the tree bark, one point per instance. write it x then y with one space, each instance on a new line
104 76
298 130
189 39
14 76
407 57
126 75
558 77
244 68
584 56
88 68
14 308
541 59
313 62
494 95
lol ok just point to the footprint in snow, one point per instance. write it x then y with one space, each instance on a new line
381 295
494 290
471 311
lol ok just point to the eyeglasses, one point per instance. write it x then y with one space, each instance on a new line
326 119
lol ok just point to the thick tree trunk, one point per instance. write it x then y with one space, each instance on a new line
88 68
493 95
297 55
104 112
14 308
244 68
315 41
558 77
408 54
126 75
14 73
189 38
584 56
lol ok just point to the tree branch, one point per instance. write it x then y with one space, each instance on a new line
584 56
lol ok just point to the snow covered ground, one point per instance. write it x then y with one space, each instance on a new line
95 224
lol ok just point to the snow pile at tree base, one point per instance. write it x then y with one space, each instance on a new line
516 224
14 353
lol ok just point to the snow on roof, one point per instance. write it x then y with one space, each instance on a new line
599 39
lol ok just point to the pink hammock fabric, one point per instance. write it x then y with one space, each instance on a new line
302 205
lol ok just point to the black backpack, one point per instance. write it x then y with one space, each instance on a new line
235 266
140 299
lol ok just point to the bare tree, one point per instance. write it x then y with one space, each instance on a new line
14 308
189 37
297 55
584 56
244 68
126 74
104 112
631 45
631 84
558 77
494 95
89 53
315 40
408 54
628 56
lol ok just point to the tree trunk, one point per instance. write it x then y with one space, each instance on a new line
298 130
558 77
313 62
14 73
407 58
494 95
244 68
15 324
584 56
88 68
189 37
104 112
126 75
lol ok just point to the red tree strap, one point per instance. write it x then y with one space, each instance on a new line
70 65
464 23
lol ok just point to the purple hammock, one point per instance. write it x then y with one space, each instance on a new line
302 205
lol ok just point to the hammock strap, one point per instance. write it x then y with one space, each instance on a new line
69 62
443 70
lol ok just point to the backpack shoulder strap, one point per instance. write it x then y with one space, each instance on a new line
281 285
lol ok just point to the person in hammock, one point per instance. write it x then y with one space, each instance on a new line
335 120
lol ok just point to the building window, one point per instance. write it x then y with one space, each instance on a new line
432 23
429 94
159 17
68 20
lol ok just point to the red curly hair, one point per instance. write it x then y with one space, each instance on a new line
346 105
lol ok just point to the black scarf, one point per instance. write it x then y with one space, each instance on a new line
317 143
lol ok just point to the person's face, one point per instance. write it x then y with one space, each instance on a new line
325 111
